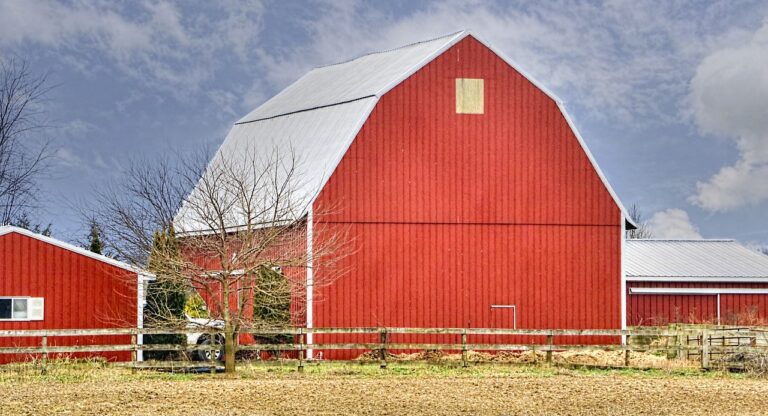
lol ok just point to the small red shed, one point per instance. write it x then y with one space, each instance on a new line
471 197
695 281
49 284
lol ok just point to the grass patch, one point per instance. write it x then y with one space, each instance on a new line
75 371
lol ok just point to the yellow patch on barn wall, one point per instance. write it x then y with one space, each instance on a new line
469 96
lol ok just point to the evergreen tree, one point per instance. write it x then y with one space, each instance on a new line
95 245
165 297
23 221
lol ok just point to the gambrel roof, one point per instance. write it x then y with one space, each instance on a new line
318 116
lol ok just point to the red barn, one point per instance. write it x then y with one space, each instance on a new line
49 284
696 281
470 196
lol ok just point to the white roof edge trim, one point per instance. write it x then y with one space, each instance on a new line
723 279
564 112
592 160
8 229
696 291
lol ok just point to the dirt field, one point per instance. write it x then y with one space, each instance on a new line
403 389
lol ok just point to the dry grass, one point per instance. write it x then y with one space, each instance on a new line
404 388
575 357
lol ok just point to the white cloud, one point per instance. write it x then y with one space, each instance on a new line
157 43
729 98
618 59
673 223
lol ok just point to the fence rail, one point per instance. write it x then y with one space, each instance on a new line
703 345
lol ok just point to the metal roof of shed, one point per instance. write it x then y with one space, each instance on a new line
679 260
319 115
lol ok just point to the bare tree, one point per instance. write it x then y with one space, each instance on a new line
130 212
240 237
643 230
21 161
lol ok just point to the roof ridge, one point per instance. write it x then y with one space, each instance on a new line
392 49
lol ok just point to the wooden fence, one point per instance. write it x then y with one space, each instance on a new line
704 345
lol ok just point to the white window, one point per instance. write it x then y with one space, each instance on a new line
21 309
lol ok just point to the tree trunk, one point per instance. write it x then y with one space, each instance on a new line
229 349
229 328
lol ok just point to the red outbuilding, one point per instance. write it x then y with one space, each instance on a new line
469 194
695 281
49 284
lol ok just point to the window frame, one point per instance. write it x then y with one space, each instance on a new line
13 300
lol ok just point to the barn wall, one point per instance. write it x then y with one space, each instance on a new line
665 309
80 293
454 212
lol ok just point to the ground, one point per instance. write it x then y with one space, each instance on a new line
403 388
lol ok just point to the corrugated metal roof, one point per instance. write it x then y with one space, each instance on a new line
318 116
319 137
693 259
367 76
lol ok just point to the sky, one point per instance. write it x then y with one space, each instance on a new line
671 97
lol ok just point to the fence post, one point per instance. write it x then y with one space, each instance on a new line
550 342
212 367
185 353
705 342
301 350
627 351
464 349
44 344
134 354
383 350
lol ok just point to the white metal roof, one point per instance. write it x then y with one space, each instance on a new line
7 229
318 116
370 75
695 260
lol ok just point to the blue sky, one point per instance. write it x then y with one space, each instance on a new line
671 97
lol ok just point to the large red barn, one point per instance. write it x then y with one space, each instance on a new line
471 197
48 284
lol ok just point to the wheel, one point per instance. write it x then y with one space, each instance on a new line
205 355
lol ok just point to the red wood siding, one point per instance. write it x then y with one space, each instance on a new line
664 309
291 247
454 212
80 293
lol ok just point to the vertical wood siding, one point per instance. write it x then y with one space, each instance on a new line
80 293
664 309
452 213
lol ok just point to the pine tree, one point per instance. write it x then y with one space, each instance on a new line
165 298
23 221
95 244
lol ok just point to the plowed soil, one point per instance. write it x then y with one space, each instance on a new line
348 391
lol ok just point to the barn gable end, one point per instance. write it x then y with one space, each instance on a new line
454 212
319 116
